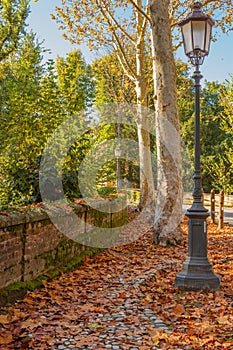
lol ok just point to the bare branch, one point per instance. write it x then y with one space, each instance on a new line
119 49
141 11
118 26
144 25
123 59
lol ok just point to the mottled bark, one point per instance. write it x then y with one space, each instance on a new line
168 211
147 197
146 174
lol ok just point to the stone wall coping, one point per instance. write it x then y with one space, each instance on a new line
40 214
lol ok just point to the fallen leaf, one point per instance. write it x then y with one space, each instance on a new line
80 201
149 299
224 320
179 309
4 340
155 341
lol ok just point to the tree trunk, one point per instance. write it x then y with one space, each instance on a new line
147 191
168 212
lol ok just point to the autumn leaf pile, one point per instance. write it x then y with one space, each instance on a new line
195 320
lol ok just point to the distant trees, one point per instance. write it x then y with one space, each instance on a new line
33 102
36 97
112 86
217 136
121 27
74 81
216 130
20 119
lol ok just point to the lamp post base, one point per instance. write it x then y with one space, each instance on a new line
197 275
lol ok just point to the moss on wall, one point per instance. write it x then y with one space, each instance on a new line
44 252
18 290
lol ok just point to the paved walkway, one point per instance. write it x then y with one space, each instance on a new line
101 305
228 216
118 329
112 301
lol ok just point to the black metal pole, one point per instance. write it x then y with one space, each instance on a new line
118 173
118 170
197 193
197 273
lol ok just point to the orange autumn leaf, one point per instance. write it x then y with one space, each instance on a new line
179 309
122 295
7 319
80 201
224 320
108 281
7 339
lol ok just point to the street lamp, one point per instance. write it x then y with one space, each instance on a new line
118 149
118 172
197 273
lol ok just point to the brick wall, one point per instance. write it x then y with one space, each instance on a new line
31 245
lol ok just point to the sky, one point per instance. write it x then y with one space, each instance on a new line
216 67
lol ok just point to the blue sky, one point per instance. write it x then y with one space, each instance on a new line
217 66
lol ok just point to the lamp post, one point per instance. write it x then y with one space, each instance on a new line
118 170
197 272
118 150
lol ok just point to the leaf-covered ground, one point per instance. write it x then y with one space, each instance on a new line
84 308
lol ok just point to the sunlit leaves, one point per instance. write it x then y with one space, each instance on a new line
74 81
35 99
216 131
80 304
112 85
97 19
12 24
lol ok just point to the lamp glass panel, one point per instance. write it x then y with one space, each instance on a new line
187 37
208 37
198 35
117 152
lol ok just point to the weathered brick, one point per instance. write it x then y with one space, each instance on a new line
30 244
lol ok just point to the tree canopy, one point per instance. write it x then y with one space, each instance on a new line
13 14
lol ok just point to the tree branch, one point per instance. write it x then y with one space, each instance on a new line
118 26
141 11
119 48
123 59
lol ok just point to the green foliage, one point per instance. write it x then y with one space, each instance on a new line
74 81
106 191
72 163
19 85
220 152
36 98
216 130
77 90
33 104
113 86
184 92
13 14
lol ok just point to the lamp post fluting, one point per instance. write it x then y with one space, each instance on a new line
118 165
197 272
118 151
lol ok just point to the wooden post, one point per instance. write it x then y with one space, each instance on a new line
212 206
221 210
